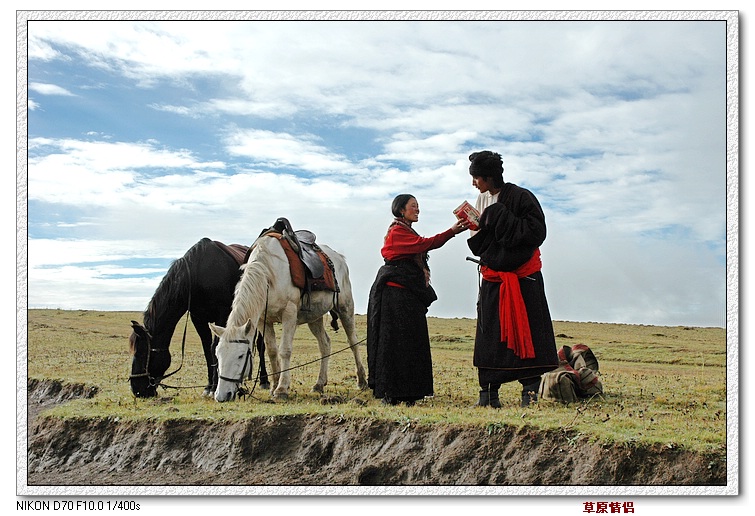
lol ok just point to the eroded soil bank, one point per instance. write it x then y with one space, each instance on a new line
316 450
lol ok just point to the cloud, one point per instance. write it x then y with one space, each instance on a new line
49 89
98 173
617 127
283 150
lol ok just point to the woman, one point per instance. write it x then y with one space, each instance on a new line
514 339
398 343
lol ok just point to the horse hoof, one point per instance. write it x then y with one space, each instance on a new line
282 396
207 393
318 388
265 385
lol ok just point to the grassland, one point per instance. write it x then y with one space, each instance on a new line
663 385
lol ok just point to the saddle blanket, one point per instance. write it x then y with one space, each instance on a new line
299 273
235 251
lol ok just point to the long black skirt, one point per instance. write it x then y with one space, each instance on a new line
398 357
496 363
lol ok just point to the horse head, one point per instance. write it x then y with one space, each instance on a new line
235 358
148 364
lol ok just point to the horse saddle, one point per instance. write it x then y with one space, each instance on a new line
311 269
236 251
303 244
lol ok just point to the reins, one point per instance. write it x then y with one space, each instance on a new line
240 382
242 391
157 382
183 347
248 358
321 358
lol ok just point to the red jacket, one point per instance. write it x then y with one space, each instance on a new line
403 242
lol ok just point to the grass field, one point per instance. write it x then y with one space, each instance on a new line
663 385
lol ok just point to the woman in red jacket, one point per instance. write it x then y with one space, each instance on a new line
398 343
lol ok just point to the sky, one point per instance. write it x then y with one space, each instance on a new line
146 136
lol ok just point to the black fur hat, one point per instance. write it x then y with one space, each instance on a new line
486 164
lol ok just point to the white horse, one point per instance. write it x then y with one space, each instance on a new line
266 294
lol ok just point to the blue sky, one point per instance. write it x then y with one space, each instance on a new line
144 137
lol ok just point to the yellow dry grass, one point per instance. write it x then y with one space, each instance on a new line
663 385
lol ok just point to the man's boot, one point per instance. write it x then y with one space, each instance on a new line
529 392
494 401
489 398
484 398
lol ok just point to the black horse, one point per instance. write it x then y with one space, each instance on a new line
201 282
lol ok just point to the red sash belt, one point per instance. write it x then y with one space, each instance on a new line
515 325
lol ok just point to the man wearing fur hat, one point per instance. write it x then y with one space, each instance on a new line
514 338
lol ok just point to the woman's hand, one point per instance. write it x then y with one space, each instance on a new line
459 226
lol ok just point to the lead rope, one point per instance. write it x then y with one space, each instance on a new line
479 288
183 339
242 392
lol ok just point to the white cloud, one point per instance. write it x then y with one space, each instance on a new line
49 89
617 127
303 152
88 173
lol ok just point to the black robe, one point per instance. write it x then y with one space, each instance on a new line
398 343
511 230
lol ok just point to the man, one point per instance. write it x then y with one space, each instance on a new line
514 338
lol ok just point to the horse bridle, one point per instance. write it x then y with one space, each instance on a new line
150 350
241 390
247 361
153 381
248 358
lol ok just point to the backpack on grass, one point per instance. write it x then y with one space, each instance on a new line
558 385
577 376
579 356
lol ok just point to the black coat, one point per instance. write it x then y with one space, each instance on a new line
398 343
510 232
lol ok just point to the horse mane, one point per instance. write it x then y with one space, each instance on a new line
251 292
173 288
